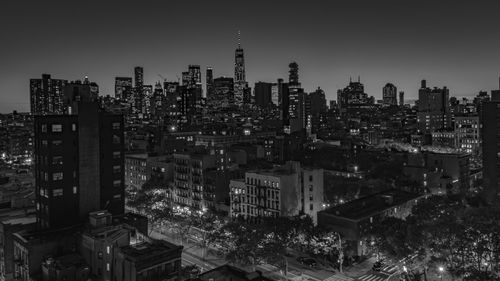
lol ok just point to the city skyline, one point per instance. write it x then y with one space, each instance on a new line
448 43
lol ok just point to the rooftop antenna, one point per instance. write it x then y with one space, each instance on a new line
239 39
359 79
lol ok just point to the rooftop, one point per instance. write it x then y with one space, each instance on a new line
146 250
370 205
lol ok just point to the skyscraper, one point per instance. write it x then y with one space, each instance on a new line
262 94
78 161
46 95
296 100
284 102
433 108
318 101
139 77
353 97
239 74
401 98
209 81
293 74
123 87
223 94
192 77
390 94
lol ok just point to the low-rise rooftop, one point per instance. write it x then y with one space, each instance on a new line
370 205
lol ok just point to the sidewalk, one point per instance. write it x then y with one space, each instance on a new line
359 269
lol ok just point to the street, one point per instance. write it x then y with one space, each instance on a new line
193 254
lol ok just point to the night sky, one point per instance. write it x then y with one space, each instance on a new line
452 43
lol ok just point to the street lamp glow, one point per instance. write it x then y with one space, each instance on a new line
441 269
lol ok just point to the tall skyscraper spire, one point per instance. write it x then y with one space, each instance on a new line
240 83
239 39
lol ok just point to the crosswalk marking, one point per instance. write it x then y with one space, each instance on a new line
392 269
371 277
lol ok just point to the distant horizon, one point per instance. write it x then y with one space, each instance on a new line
448 43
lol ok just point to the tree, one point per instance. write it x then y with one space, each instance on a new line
209 224
390 237
245 243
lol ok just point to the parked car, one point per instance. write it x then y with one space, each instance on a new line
307 261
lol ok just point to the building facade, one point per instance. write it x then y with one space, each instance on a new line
46 95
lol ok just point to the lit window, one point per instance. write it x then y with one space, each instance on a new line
57 160
44 128
116 154
57 176
57 192
74 189
56 142
56 128
116 125
117 183
73 127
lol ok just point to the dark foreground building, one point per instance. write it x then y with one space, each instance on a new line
354 220
78 161
491 148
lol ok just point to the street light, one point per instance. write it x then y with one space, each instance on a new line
441 270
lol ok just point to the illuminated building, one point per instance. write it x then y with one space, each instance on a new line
123 88
46 95
239 74
390 94
433 109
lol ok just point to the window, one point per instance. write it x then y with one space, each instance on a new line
117 169
107 250
44 128
56 128
73 127
57 176
117 196
57 192
116 125
117 183
44 143
310 188
116 154
57 160
310 178
116 139
74 189
311 207
56 142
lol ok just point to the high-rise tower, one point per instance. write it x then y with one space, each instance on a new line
139 77
46 95
239 74
210 82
